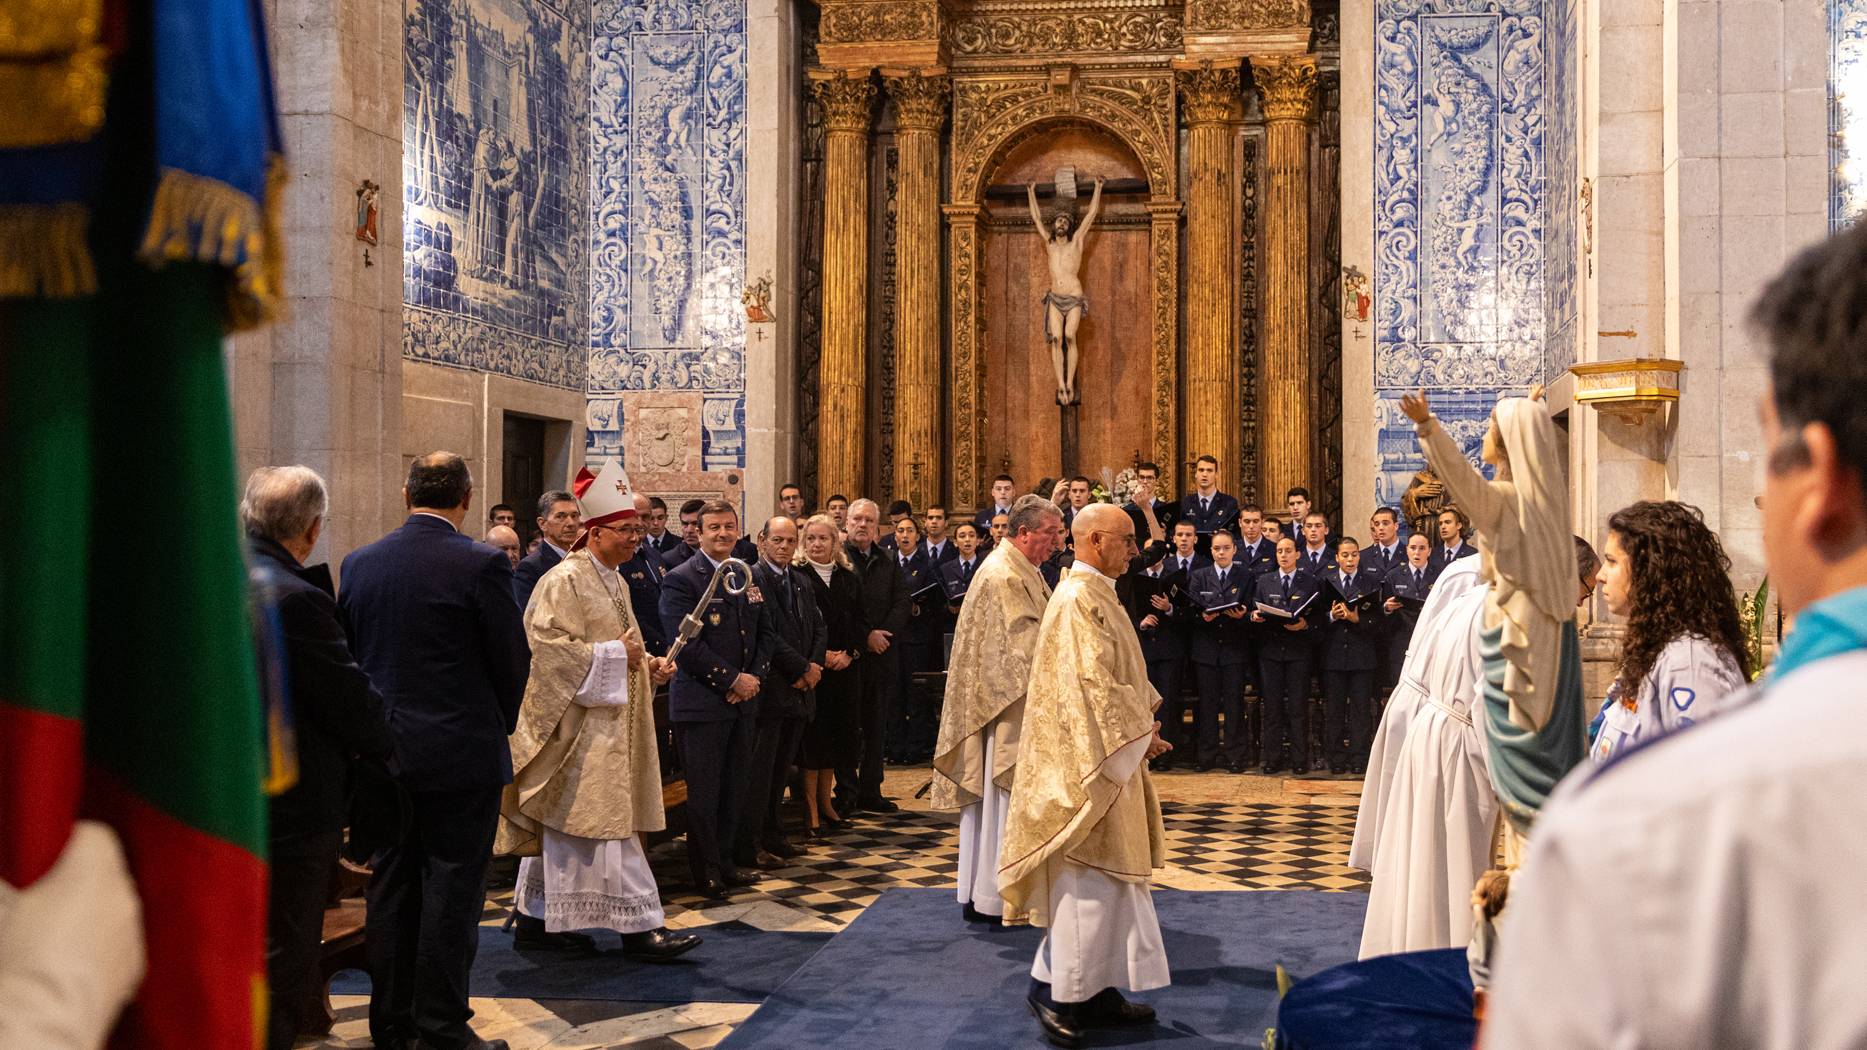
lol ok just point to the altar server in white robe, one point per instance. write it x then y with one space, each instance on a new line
586 779
1435 830
1390 736
983 708
1085 831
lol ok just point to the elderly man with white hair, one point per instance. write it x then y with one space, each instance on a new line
885 612
337 718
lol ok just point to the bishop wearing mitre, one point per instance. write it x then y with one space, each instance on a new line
586 781
1084 832
983 705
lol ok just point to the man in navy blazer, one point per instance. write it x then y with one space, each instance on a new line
560 522
430 616
712 701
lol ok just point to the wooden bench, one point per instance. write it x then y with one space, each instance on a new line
342 946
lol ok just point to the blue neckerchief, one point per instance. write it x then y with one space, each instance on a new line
1832 626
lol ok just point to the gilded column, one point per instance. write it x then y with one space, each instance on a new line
1213 105
920 99
966 409
1287 87
847 99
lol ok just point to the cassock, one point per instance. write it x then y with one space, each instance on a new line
980 716
586 779
1434 838
1390 735
1085 832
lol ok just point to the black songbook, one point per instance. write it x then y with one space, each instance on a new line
1287 614
956 588
1146 587
1413 601
1361 603
1223 600
925 589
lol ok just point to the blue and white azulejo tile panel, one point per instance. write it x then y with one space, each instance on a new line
668 219
1847 111
495 118
1461 190
1561 254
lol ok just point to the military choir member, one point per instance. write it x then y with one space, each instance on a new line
1405 591
956 575
915 720
885 614
690 533
837 507
938 542
1350 657
787 693
1256 551
1386 552
896 511
1220 650
1206 507
1144 503
1316 551
791 502
1004 490
660 536
1451 545
712 702
643 572
1285 597
996 531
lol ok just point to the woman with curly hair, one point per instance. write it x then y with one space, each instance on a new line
1667 574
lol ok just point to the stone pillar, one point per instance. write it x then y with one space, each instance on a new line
1287 88
847 99
920 98
1213 105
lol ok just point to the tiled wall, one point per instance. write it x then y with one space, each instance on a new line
495 132
667 243
1847 112
1561 279
1462 105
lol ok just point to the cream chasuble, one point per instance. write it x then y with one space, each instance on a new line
986 677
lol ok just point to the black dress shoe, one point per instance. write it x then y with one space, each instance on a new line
781 847
1234 767
658 945
530 934
972 914
1059 1028
1358 769
477 1044
1108 1008
1268 769
817 834
1202 767
768 861
738 879
878 804
1338 768
1299 770
711 889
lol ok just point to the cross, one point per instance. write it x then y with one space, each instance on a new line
622 486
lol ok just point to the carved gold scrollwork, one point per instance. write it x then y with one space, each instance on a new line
920 100
847 101
1066 33
1211 94
1287 87
861 23
1246 14
987 114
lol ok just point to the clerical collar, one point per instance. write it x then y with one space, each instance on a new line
437 517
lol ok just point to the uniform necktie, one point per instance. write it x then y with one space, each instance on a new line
1448 553
1286 586
1205 504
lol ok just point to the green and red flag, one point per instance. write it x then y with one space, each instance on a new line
133 234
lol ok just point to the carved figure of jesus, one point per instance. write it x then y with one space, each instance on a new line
1064 304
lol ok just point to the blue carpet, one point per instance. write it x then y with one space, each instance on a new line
735 963
909 974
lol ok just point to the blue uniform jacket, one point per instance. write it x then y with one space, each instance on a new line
732 641
1223 641
643 574
1275 642
1346 645
1221 515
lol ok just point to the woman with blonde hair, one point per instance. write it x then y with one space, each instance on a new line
830 739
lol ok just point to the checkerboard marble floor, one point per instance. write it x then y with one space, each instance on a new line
1224 832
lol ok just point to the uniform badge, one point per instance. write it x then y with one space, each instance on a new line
714 619
753 595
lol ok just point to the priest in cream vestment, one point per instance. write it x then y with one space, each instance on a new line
1084 833
984 701
586 779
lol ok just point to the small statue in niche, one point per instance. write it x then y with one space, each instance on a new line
757 301
367 195
1355 297
1421 503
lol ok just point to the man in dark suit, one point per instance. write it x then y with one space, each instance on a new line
431 620
712 701
337 718
1158 611
690 534
662 538
1450 545
1004 491
1285 658
1385 552
798 639
1350 657
643 573
885 611
560 522
1206 507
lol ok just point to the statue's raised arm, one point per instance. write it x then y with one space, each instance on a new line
1089 218
1037 217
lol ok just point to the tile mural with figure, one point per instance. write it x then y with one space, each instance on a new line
495 166
668 228
1462 89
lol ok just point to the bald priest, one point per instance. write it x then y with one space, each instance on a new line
1084 833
